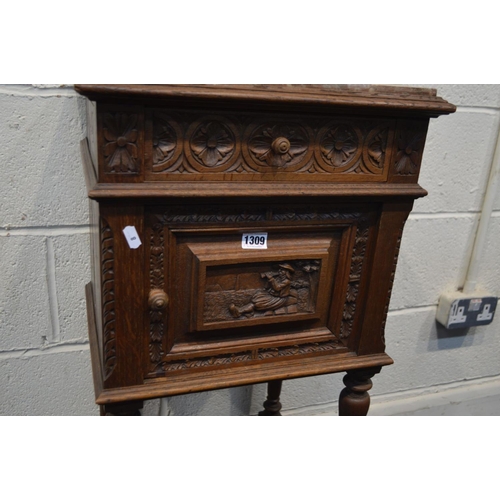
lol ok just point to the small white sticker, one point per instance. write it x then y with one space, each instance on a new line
133 239
254 241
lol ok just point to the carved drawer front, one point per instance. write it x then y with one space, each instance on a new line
139 144
229 147
223 303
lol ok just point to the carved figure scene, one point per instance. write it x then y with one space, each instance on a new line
257 290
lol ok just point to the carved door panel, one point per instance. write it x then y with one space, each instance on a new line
229 304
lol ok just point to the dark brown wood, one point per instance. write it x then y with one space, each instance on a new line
409 100
237 375
228 190
388 241
354 399
272 405
328 173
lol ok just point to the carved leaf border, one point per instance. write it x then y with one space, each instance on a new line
157 281
358 260
256 354
108 299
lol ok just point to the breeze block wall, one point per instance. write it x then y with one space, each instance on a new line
44 244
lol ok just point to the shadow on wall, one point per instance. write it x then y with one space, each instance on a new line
454 339
231 402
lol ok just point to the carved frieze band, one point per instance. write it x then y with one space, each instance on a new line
219 144
229 215
108 299
157 282
209 216
257 354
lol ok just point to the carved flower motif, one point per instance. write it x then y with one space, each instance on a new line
279 145
409 153
121 135
376 148
212 144
164 143
339 145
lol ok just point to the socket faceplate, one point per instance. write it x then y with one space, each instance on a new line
457 310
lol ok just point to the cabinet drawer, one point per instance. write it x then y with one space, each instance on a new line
152 144
247 147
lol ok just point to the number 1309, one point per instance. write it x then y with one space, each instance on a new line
254 240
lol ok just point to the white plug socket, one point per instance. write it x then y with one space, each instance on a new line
460 310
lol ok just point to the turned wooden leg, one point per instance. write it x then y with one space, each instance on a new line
354 399
272 404
128 409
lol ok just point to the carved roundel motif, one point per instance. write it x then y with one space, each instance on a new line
339 147
212 145
374 152
275 146
167 145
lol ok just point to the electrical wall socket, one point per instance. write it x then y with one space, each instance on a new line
459 310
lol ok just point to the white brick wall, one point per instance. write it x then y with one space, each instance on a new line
44 354
45 365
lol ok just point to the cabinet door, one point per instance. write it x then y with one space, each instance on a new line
293 294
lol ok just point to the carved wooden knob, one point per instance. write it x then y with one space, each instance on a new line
157 300
281 145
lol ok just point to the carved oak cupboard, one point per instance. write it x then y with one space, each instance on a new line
246 233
